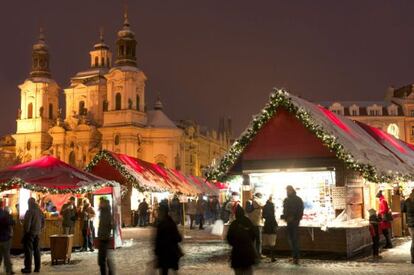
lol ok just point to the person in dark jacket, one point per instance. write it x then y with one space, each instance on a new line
68 213
241 236
408 209
106 226
143 213
167 250
292 214
88 230
270 223
32 226
6 223
374 230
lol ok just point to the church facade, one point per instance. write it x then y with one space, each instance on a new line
105 108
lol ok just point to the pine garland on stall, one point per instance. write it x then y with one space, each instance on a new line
280 98
105 155
19 183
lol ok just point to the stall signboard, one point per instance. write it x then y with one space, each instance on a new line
338 197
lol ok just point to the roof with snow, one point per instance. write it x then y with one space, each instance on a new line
379 157
158 119
147 176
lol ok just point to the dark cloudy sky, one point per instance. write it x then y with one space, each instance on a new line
217 58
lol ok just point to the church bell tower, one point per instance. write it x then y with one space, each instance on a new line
39 103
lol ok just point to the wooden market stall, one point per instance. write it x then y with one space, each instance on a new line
50 180
334 164
136 175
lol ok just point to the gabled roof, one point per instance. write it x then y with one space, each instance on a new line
50 175
158 119
350 143
146 176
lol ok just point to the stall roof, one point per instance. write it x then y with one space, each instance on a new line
50 175
347 140
146 176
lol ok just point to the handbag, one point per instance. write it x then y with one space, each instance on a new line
269 240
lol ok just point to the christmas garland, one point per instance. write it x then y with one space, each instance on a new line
280 98
19 183
106 155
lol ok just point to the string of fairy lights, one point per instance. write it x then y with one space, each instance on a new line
280 98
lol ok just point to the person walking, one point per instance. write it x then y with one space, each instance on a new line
143 213
292 214
215 208
200 211
167 239
408 209
32 226
88 230
255 216
241 237
386 218
175 210
374 225
270 227
192 206
106 226
68 213
6 223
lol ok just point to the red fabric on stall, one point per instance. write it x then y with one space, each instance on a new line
285 137
49 172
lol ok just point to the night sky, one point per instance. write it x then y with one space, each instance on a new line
215 58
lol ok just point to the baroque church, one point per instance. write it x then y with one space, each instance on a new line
105 109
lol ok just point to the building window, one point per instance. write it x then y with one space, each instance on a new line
72 158
354 112
393 129
412 113
137 103
50 111
107 62
118 101
128 50
81 110
412 130
96 61
121 50
30 110
116 140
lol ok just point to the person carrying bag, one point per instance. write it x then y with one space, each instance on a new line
270 227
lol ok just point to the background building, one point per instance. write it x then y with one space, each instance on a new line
105 109
394 115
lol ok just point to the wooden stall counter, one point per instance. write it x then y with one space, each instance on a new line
342 241
53 226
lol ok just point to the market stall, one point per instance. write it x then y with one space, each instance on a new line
335 165
140 179
51 182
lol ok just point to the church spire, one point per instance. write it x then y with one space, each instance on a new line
126 45
101 56
40 57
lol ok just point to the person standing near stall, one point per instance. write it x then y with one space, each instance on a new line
292 214
143 213
386 218
32 226
88 230
270 227
241 237
6 223
68 213
200 211
255 216
408 209
106 226
191 211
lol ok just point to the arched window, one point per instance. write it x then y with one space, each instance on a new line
128 50
393 129
102 61
30 110
81 107
107 62
117 140
50 111
137 102
121 50
118 101
96 61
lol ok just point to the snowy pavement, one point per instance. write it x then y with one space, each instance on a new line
206 254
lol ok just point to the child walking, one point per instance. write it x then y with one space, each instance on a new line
374 222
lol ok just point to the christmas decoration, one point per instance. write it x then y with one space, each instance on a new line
281 98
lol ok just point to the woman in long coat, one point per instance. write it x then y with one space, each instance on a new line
270 226
385 224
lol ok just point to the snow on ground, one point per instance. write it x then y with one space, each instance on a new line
207 254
